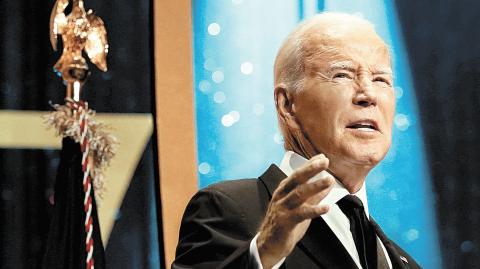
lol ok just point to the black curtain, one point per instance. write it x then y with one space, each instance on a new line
442 40
28 83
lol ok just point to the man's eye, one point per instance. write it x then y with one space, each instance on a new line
382 80
343 75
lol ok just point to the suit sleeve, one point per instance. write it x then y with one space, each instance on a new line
213 233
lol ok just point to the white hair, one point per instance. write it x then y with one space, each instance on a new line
290 61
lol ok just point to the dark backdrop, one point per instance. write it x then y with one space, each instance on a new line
28 83
442 39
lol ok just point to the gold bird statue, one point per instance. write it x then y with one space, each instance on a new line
79 30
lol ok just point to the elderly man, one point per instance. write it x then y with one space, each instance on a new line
335 104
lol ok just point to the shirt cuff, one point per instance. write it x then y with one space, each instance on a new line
255 261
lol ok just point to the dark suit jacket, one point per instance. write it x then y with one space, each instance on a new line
221 220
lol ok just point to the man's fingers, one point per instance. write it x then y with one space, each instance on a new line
311 211
308 190
301 175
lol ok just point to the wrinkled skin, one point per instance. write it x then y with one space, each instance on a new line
349 85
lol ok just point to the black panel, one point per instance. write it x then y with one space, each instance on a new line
442 39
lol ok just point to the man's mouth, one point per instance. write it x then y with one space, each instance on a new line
364 125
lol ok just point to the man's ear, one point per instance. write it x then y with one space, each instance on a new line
284 103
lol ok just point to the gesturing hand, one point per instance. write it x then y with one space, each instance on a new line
294 203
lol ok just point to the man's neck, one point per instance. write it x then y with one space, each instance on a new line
351 176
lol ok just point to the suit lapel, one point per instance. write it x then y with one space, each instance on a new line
271 178
320 244
395 257
323 246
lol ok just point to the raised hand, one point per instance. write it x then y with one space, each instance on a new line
294 203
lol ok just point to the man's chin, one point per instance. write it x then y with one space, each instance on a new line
367 157
357 153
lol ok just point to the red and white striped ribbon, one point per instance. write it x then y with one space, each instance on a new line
87 181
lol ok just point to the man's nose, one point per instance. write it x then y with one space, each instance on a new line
365 94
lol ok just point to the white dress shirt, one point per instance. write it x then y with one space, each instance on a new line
335 219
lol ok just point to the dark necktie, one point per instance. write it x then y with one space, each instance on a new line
362 231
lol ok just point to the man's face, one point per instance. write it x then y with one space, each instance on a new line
347 104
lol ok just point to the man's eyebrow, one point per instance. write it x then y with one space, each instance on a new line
350 66
343 65
383 71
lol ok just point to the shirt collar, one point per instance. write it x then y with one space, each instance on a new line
292 161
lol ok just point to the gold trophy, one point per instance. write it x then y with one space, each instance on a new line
80 31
